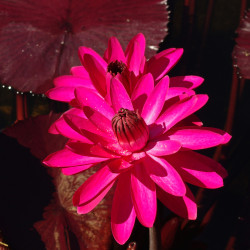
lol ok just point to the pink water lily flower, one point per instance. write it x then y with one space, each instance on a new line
129 66
143 143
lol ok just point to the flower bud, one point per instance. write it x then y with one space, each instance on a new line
130 129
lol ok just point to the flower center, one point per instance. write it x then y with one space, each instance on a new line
130 129
116 67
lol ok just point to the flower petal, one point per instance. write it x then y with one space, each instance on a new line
87 97
184 206
142 90
135 53
73 81
82 51
64 129
100 121
119 96
67 158
75 169
114 51
87 207
80 71
161 63
198 138
176 113
144 196
95 184
164 175
96 72
123 213
62 94
162 147
154 104
198 169
190 82
177 91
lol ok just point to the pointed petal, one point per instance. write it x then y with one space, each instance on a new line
67 158
64 129
123 213
183 206
144 196
87 207
177 91
82 51
100 121
164 175
162 147
73 81
176 113
86 128
198 169
114 51
75 169
142 90
94 185
119 96
62 94
160 64
80 71
198 138
154 104
140 39
190 82
135 53
87 97
96 72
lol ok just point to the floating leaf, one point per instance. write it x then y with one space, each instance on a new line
39 39
241 52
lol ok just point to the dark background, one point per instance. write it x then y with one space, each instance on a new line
209 57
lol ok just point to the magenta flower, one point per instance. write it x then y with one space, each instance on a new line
142 140
128 67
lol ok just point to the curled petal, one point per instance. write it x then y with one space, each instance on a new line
88 206
122 213
94 185
135 53
82 51
114 51
164 175
184 206
198 169
144 196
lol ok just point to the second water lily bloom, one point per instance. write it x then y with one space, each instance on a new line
127 66
143 142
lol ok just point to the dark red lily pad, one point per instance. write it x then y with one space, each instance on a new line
241 52
33 134
39 39
62 228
